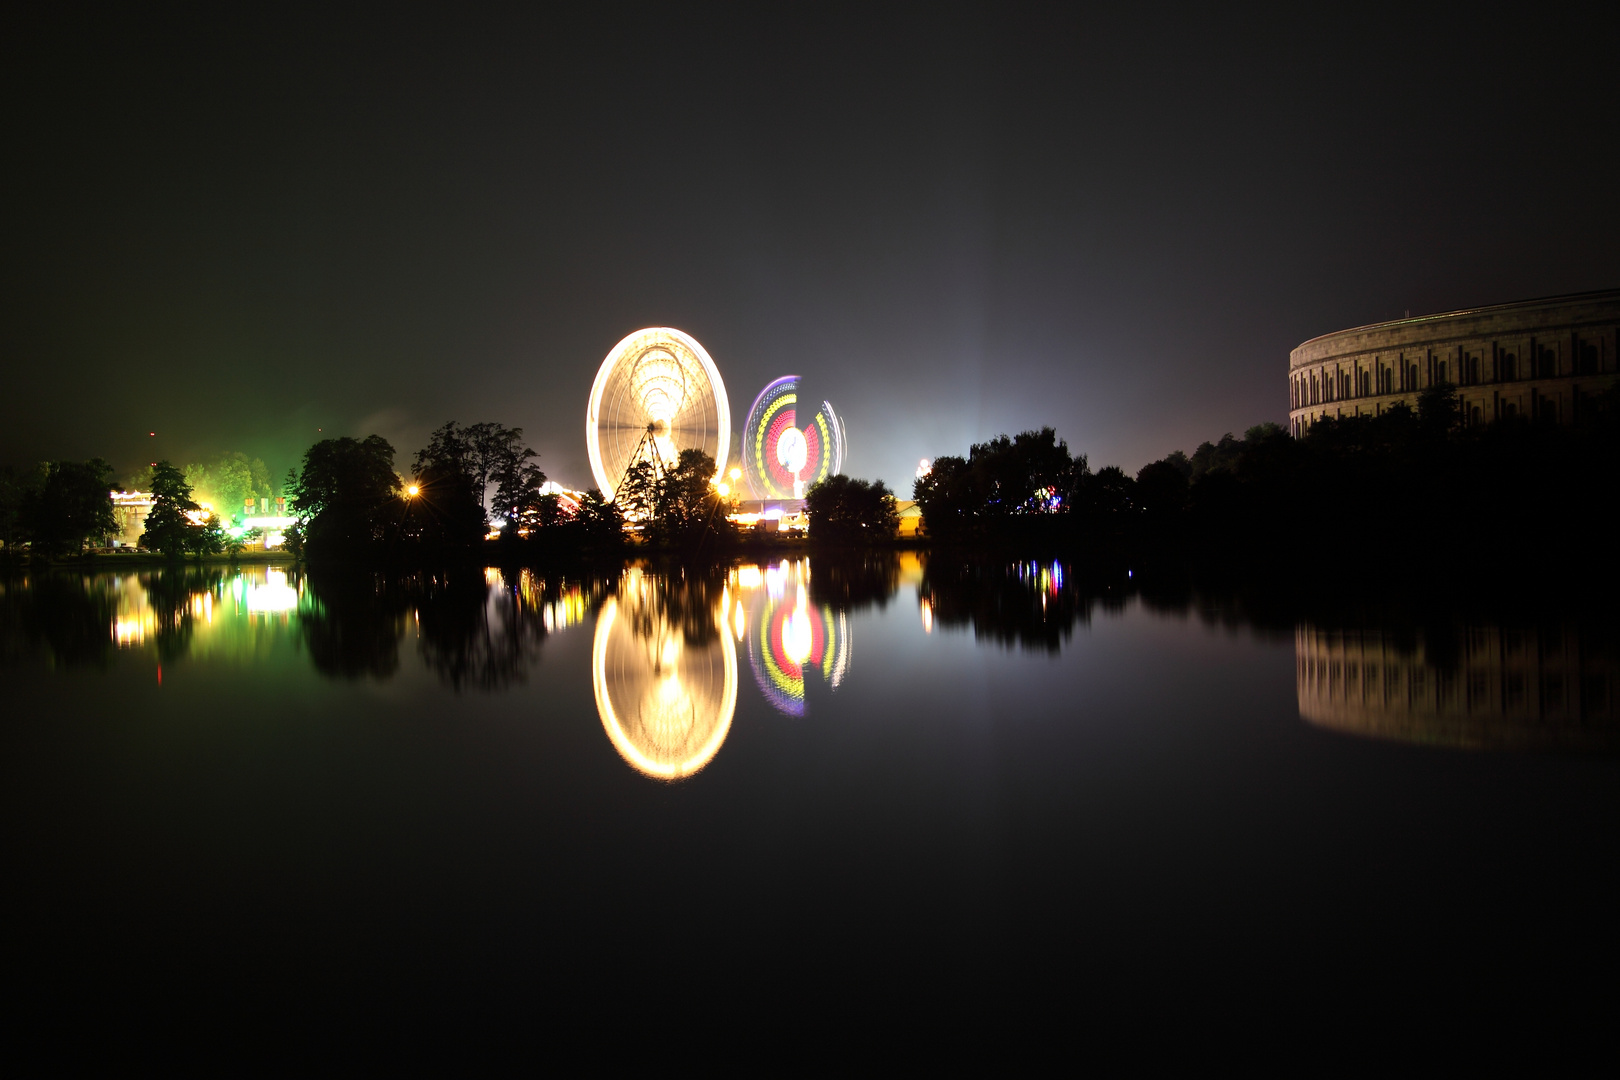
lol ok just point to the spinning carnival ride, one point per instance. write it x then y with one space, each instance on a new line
656 394
786 450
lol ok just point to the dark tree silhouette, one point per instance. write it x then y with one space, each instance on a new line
1005 488
347 496
600 523
167 528
845 510
680 506
70 506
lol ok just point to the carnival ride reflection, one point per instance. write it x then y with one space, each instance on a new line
666 686
1484 688
790 636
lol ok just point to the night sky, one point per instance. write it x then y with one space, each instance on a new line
957 221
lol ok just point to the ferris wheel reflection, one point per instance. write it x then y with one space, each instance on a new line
665 673
789 638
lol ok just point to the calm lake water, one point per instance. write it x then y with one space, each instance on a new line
841 786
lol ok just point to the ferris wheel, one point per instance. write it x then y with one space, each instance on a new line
788 446
657 393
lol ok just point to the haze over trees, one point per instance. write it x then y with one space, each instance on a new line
229 481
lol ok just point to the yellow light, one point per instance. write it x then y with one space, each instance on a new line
796 639
723 489
413 491
736 474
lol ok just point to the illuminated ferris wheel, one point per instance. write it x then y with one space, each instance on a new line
657 393
787 447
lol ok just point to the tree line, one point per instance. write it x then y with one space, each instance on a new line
1409 490
1410 487
472 480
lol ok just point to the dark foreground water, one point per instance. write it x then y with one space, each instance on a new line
281 811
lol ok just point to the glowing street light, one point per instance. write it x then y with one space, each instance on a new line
413 491
723 488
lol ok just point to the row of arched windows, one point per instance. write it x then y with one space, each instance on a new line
1537 360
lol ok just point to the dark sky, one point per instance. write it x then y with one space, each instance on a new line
958 221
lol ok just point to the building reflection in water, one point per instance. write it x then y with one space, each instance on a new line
1485 687
665 671
789 637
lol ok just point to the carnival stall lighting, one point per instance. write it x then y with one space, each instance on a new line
567 498
656 394
787 448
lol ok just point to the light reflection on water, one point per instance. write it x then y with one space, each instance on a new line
1025 759
668 647
1481 686
664 671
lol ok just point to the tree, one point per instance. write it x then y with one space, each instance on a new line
947 497
208 538
850 510
455 472
601 523
485 454
347 495
229 482
1161 489
16 489
1439 408
71 505
517 492
167 527
637 493
549 511
679 505
1031 475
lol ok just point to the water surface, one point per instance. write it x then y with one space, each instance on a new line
847 784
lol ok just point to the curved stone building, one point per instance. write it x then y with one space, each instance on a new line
1535 358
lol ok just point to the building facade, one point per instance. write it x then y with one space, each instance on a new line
129 510
1539 359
